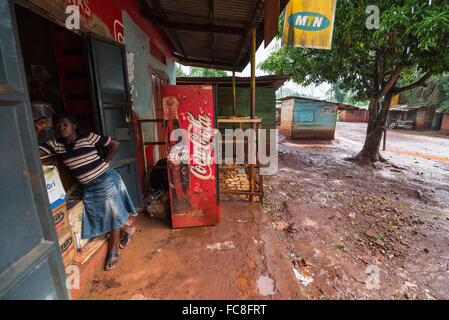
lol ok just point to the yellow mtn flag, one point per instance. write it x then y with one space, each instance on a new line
395 100
309 23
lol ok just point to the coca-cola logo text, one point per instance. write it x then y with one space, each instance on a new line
201 136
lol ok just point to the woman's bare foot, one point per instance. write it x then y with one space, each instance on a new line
126 233
111 261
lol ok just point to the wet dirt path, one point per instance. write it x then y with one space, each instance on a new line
329 229
163 263
397 141
363 232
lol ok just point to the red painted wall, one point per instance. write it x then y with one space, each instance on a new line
109 12
445 123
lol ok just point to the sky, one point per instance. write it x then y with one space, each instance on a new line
262 54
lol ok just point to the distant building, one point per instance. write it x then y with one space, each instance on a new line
360 115
305 118
421 114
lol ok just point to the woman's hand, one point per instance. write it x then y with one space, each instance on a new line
41 124
112 150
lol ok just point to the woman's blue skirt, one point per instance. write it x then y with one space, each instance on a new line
107 205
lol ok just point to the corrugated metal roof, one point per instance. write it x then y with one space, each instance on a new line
341 106
222 44
344 106
405 107
271 81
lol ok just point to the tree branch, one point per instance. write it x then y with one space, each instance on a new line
419 83
376 75
385 107
391 82
382 67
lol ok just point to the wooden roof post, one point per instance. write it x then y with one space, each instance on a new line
253 106
234 103
253 73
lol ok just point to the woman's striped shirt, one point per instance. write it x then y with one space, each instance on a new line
83 159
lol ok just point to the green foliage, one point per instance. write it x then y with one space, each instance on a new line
444 106
180 72
338 95
200 72
436 93
203 72
414 43
281 25
358 103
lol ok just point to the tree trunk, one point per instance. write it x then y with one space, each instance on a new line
376 124
370 151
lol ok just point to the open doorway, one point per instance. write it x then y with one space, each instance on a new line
83 75
56 68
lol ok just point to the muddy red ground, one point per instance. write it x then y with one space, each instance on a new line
341 221
327 227
163 263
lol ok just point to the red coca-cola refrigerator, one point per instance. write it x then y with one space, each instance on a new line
192 171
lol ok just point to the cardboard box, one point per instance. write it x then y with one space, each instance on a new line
75 210
55 189
67 247
67 177
61 219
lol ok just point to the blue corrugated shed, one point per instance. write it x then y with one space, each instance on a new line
303 118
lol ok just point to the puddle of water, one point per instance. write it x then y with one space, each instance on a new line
265 285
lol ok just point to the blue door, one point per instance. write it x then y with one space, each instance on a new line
113 110
30 263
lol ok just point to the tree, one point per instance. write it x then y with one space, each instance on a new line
200 72
204 72
436 93
180 72
338 95
411 45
